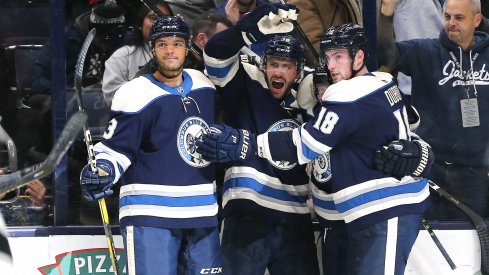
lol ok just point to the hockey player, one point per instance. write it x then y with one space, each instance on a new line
267 223
167 200
360 112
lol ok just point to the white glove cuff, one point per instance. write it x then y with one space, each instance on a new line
262 148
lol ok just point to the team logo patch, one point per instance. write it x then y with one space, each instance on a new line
321 168
189 132
283 125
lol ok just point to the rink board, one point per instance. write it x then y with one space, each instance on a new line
82 251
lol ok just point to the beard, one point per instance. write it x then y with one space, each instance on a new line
173 67
170 70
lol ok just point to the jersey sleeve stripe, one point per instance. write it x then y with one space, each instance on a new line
220 72
105 152
308 148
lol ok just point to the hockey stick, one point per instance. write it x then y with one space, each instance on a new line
20 178
438 244
89 144
478 222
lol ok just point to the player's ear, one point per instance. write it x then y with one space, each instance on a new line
359 59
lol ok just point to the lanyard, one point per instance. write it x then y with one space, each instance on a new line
467 74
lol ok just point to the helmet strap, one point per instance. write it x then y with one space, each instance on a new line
353 53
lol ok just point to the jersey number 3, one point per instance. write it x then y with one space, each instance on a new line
326 121
110 129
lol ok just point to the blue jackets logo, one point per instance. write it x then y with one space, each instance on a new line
189 132
321 168
283 125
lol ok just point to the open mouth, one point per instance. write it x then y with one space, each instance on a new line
278 83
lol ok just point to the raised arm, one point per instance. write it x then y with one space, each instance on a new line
386 46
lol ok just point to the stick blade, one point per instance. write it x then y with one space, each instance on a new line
67 137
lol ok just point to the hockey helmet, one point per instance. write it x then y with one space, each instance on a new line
347 36
169 26
285 46
321 76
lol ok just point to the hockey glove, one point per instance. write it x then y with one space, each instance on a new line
267 19
95 186
223 144
405 158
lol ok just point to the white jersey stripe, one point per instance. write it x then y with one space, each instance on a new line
214 65
168 212
272 182
131 256
168 190
375 206
391 246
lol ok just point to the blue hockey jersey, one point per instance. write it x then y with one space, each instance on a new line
275 190
357 117
151 138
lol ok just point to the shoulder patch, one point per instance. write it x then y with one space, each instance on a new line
199 80
135 95
347 91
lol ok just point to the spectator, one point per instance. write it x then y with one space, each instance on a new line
235 9
167 200
316 16
125 62
428 23
204 27
109 29
449 79
109 33
17 211
191 9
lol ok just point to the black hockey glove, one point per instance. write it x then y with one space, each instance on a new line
267 19
405 158
223 144
95 186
